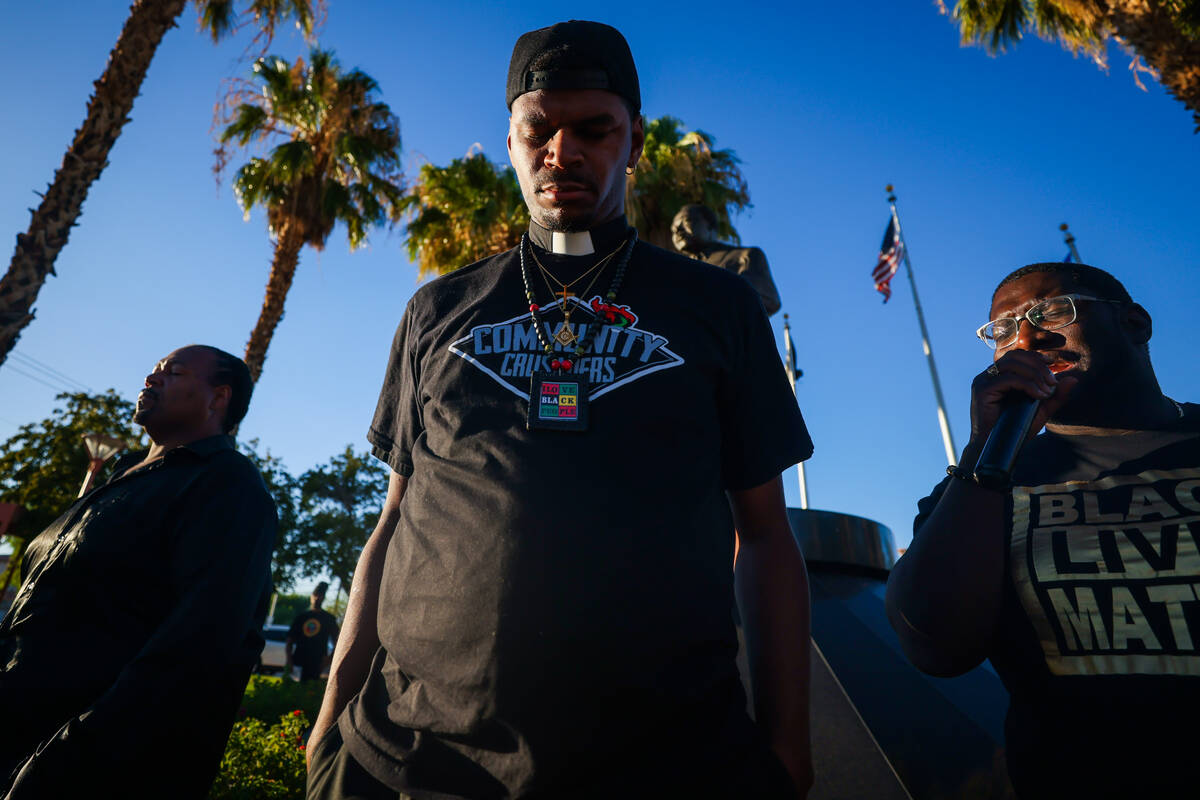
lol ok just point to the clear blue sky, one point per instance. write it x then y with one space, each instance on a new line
824 105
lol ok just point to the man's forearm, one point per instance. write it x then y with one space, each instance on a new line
944 594
358 639
771 583
772 591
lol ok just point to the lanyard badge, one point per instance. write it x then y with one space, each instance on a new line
557 402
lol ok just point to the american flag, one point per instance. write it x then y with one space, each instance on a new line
890 253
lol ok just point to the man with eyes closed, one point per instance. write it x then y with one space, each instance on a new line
1080 581
574 428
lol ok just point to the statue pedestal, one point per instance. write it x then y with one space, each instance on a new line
880 728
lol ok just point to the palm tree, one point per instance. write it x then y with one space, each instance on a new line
678 168
107 112
1166 33
463 212
339 161
473 208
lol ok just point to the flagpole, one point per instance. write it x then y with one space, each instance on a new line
1070 240
793 374
943 420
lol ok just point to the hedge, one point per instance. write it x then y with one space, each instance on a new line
264 757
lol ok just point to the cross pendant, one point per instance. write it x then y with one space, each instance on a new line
564 294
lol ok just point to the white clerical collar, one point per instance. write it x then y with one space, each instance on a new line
571 244
602 238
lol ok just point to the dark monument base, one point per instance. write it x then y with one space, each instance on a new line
880 728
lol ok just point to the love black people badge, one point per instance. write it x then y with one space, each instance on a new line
557 402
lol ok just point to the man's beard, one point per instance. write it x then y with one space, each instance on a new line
557 218
1089 395
554 220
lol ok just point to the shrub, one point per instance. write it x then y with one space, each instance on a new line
263 762
264 757
267 698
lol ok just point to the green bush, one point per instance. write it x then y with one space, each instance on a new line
264 757
263 762
268 697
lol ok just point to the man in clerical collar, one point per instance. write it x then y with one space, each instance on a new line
1078 578
574 429
126 653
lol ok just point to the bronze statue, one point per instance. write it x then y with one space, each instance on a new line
694 231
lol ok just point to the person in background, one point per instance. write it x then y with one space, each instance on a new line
125 655
309 636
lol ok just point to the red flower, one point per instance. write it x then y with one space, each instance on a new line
296 713
301 747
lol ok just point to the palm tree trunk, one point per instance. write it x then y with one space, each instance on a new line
1149 29
107 112
283 270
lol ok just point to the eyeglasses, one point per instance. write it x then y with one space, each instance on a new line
1048 315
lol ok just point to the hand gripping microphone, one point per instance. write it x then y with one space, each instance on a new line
995 465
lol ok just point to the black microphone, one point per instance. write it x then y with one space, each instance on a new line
995 465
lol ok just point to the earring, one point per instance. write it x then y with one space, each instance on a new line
629 170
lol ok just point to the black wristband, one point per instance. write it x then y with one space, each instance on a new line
955 471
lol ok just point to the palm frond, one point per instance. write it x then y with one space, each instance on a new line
248 121
998 25
269 13
357 80
367 203
291 161
275 75
1080 30
221 19
216 17
251 185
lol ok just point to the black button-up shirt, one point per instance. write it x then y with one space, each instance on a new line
125 654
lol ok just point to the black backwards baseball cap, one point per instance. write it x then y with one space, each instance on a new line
573 55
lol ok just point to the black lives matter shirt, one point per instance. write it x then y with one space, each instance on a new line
556 606
1098 637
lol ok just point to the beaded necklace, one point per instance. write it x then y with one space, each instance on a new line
558 401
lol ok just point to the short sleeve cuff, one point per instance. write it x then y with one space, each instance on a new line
383 448
767 465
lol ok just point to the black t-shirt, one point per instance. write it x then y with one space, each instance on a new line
556 605
311 631
1097 640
